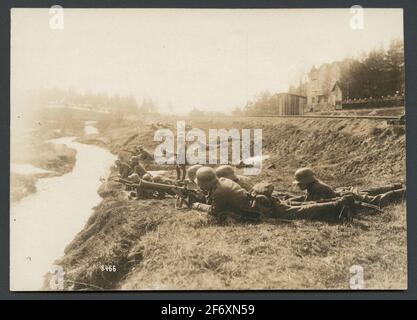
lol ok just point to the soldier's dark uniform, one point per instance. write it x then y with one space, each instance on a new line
227 196
316 191
319 191
244 182
139 169
164 180
124 169
143 154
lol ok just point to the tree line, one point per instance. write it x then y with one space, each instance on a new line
379 73
374 75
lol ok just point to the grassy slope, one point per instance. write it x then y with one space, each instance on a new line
155 246
186 253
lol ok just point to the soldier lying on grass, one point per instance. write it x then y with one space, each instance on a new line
316 190
226 197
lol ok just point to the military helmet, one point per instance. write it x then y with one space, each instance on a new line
226 171
206 177
304 175
191 171
134 159
134 177
263 188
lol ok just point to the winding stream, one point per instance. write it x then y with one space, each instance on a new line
43 223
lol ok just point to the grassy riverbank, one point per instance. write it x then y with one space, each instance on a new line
153 246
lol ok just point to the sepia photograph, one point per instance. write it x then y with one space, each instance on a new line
207 149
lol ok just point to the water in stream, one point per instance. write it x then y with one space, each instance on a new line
42 224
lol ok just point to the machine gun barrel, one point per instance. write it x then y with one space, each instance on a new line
147 185
356 202
159 186
183 195
129 151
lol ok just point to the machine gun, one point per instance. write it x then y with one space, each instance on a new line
356 202
345 212
372 191
183 194
378 190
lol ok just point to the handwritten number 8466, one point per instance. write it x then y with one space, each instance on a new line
108 268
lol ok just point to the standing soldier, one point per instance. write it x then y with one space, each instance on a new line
228 172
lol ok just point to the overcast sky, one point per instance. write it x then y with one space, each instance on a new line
209 59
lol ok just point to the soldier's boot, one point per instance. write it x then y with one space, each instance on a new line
384 199
184 172
383 189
